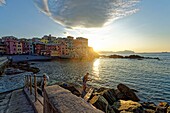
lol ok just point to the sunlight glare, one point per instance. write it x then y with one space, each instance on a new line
96 65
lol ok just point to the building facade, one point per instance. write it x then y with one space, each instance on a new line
2 48
19 47
10 42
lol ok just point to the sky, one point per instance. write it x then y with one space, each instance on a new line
110 25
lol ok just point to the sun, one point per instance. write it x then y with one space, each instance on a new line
95 44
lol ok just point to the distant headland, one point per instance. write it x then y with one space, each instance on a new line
117 52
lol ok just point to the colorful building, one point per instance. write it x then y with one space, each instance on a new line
49 45
51 50
2 48
19 47
30 47
10 42
45 41
80 46
39 47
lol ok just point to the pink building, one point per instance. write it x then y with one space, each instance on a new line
10 42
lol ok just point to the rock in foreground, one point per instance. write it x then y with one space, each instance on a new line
128 92
128 106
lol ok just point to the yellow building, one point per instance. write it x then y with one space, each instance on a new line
19 47
45 41
55 53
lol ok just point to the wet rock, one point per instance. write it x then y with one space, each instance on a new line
168 109
102 90
128 106
30 69
149 105
71 88
101 103
12 71
134 57
128 92
149 111
25 66
116 56
164 104
160 109
120 95
110 96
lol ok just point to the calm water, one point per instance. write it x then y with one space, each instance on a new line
150 77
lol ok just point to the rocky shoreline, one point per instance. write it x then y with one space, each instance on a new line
120 100
128 57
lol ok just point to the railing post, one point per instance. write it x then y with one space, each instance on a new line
44 81
27 83
30 85
35 88
25 80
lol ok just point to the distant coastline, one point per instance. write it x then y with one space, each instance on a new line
118 52
129 52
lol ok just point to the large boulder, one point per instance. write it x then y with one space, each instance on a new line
13 71
101 90
128 106
168 109
108 94
164 104
162 107
101 103
128 92
71 88
120 95
149 105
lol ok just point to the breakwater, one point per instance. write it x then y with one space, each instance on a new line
21 58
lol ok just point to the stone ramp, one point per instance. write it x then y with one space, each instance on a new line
4 101
19 103
15 102
60 100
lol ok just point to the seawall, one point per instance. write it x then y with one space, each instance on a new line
21 58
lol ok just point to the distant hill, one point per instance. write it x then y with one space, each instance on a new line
125 52
117 52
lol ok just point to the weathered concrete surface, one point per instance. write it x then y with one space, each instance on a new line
38 105
15 102
19 103
63 101
4 101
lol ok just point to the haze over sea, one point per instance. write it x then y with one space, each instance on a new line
149 76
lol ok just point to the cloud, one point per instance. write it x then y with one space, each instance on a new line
87 13
2 2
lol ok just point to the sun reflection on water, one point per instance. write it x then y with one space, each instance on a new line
96 72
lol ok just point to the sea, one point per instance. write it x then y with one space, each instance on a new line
150 77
